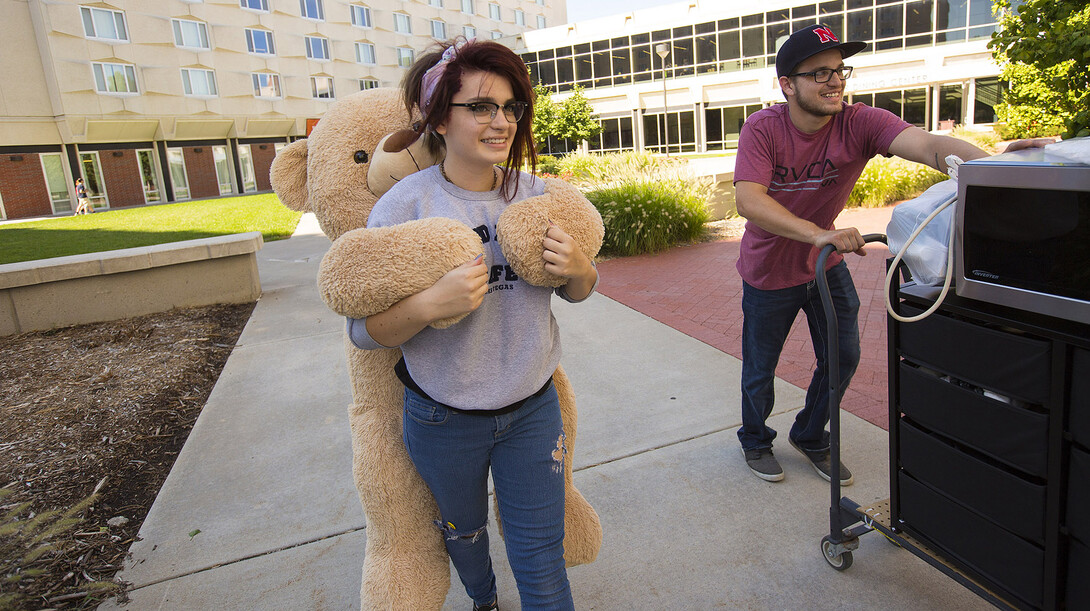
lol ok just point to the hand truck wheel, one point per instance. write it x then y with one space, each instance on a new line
841 561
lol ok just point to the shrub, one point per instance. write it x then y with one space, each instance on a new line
28 545
986 140
886 180
647 204
547 164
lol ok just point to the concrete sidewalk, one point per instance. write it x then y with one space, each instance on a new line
259 511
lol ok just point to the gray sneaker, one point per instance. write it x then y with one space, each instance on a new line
763 464
823 464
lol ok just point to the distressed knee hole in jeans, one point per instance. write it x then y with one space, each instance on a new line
451 533
558 454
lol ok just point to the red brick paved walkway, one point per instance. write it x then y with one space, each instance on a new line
696 290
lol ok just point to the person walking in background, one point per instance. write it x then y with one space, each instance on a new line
797 163
83 203
479 395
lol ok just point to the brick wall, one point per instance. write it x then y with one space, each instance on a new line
201 171
22 185
121 175
262 163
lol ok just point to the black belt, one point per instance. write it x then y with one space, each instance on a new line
402 373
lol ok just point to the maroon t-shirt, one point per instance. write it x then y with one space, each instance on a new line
810 175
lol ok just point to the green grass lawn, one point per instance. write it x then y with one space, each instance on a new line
145 226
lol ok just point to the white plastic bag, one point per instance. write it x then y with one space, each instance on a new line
926 256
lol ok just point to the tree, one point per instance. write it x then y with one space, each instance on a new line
545 113
576 121
1044 49
573 119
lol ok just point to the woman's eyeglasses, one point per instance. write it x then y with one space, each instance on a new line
823 75
485 112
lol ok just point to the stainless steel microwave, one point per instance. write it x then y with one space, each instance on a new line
1023 233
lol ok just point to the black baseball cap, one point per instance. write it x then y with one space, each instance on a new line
808 42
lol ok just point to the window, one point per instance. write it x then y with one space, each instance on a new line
149 176
56 182
494 11
255 5
317 47
114 78
368 83
541 2
436 3
365 53
312 9
541 22
199 82
520 17
402 24
178 178
438 29
223 169
91 170
103 23
469 31
193 34
266 85
616 135
246 168
321 87
496 34
405 57
260 41
361 16
467 7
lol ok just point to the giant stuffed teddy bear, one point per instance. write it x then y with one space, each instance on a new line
338 173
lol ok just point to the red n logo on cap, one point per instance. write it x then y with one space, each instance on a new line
825 35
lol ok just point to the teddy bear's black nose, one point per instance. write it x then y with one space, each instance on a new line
360 156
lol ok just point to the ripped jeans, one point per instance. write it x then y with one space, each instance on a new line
525 449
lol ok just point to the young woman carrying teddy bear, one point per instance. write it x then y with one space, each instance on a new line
479 394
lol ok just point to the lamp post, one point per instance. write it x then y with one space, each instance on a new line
662 49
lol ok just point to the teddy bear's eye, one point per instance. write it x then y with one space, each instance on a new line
360 156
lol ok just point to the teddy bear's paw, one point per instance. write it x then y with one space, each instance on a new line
366 271
522 226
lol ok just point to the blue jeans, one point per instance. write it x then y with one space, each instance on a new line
525 449
767 319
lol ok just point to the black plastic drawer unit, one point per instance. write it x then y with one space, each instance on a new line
1007 363
1079 420
1014 435
1078 497
1078 574
998 555
1012 502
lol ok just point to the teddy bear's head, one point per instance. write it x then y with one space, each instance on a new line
357 151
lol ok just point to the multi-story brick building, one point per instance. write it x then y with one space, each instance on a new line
156 101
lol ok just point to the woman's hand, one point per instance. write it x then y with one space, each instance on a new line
459 291
564 258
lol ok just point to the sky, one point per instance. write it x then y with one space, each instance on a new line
580 10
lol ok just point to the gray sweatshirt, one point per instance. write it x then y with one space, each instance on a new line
505 350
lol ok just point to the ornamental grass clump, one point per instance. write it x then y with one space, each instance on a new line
888 180
647 204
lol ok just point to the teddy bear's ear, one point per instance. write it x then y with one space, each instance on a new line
400 140
288 175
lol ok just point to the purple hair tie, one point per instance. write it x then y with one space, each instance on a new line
434 74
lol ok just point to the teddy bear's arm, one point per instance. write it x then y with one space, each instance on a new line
521 229
366 271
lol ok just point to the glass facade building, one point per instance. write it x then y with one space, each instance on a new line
926 60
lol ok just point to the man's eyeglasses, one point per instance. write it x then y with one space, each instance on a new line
485 112
823 75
